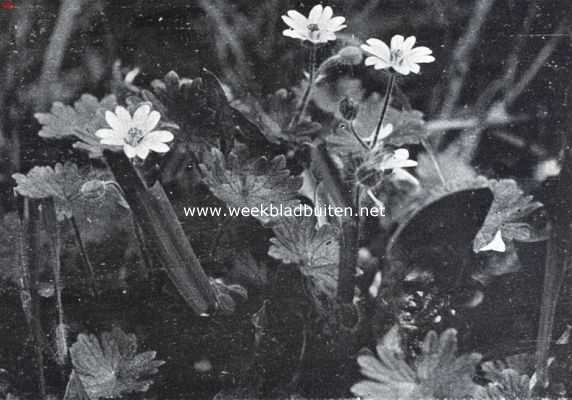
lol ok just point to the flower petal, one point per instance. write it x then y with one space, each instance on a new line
421 50
108 133
114 122
141 114
158 136
123 115
420 59
397 42
158 147
326 36
298 18
142 151
386 131
402 69
113 141
294 24
497 244
327 14
378 48
151 122
336 23
408 43
294 34
129 150
315 14
413 67
401 154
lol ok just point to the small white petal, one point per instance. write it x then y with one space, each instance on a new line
151 122
338 28
404 176
141 113
497 244
401 154
298 18
420 59
327 36
159 137
422 50
327 14
142 151
315 14
113 141
129 150
108 133
397 42
402 69
114 122
409 43
158 147
414 67
123 114
293 34
294 24
335 23
386 131
372 61
378 48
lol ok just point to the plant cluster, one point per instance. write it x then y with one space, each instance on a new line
285 307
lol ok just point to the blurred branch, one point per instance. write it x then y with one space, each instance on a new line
513 59
228 38
53 58
461 59
21 26
538 63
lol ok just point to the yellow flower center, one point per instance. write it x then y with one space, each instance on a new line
134 136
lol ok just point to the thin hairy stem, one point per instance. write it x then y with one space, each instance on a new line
84 256
357 136
431 153
384 109
306 97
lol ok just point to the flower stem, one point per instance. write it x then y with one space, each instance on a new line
431 153
51 224
84 255
30 260
357 136
384 108
306 97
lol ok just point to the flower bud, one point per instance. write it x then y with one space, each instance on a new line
94 189
350 55
349 109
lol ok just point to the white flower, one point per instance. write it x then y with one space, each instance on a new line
401 57
497 244
135 134
319 27
398 159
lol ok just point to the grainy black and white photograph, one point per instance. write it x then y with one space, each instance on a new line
285 199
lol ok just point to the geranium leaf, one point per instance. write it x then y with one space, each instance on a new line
74 389
436 373
315 250
110 367
80 121
62 183
509 207
408 127
251 184
505 384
